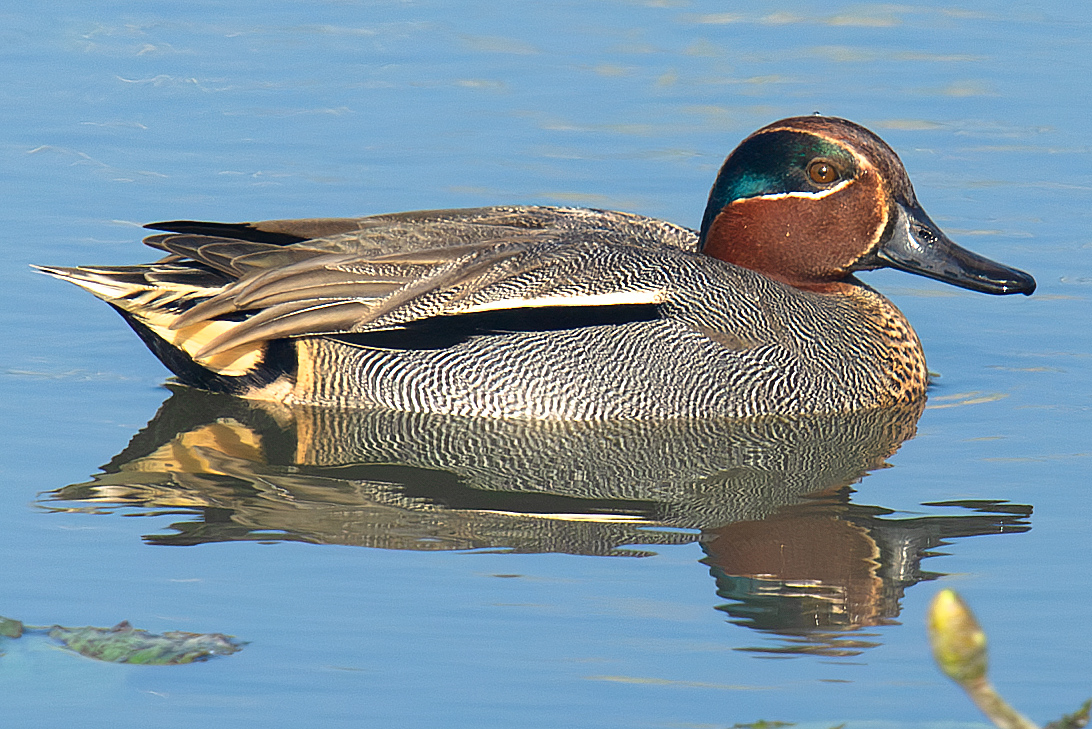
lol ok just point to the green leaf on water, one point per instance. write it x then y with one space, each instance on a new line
125 644
10 628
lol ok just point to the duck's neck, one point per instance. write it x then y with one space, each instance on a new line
746 235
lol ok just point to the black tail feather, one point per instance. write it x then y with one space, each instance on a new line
279 360
235 231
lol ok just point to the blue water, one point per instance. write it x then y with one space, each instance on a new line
125 113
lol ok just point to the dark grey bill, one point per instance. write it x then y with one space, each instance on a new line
915 244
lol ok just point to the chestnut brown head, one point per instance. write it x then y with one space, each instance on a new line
809 200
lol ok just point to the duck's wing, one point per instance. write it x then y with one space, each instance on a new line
340 293
226 289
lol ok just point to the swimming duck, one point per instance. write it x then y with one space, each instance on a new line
568 313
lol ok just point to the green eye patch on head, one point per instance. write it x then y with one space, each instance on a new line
774 163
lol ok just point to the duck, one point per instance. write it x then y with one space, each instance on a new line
566 313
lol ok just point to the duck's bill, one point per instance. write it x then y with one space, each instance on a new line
915 244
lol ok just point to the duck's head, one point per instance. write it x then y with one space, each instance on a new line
809 200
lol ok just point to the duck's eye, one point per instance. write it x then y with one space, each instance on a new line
822 172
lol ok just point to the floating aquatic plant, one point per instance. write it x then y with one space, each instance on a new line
125 644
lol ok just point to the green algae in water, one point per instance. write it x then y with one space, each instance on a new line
1077 720
10 628
125 644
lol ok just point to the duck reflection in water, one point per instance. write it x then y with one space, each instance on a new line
817 570
768 499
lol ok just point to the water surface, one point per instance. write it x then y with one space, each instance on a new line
557 577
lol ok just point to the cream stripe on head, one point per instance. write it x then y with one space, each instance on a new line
817 195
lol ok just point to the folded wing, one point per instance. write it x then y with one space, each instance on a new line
225 290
